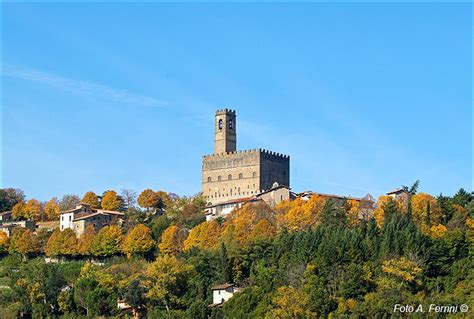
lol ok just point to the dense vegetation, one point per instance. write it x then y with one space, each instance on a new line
303 259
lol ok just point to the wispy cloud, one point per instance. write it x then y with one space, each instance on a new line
85 88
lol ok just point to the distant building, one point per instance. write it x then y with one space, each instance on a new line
5 216
366 203
83 215
271 197
50 225
229 174
8 227
222 293
402 196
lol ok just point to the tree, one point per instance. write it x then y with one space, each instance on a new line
19 211
9 197
172 240
425 209
225 269
68 202
290 303
108 242
148 199
206 235
111 201
168 280
333 216
386 205
85 242
413 188
62 243
462 197
403 269
51 209
82 291
24 242
33 209
138 241
129 197
134 295
92 199
4 242
301 214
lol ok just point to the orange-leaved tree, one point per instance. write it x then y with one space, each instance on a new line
111 201
148 199
84 244
425 209
301 214
92 199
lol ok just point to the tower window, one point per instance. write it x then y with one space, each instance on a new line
254 174
219 178
209 179
231 124
229 177
220 124
241 176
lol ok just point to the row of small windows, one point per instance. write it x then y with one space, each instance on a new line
216 195
229 177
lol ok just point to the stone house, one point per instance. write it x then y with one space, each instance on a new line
222 293
83 215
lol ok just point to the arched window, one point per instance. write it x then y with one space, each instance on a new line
229 177
231 124
220 124
254 174
241 176
219 178
209 179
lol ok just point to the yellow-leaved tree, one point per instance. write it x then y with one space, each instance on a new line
138 241
172 240
301 214
4 242
382 203
290 303
204 236
167 279
425 210
245 223
402 269
84 244
33 209
148 199
92 199
111 201
51 209
62 243
353 208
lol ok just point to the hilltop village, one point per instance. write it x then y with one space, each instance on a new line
247 246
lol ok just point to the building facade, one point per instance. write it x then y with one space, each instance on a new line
83 215
230 174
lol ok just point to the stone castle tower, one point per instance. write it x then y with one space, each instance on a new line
230 174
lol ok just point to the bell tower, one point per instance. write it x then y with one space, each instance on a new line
225 134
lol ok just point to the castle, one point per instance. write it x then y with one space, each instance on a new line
230 174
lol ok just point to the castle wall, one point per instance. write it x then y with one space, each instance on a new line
243 168
274 167
250 173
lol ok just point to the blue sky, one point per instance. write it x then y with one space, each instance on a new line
364 97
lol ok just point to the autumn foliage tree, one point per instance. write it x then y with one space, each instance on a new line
111 201
23 242
62 243
92 199
299 214
107 242
4 242
172 240
204 236
84 244
138 241
51 209
425 209
148 199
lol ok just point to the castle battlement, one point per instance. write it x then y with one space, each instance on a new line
254 151
225 111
